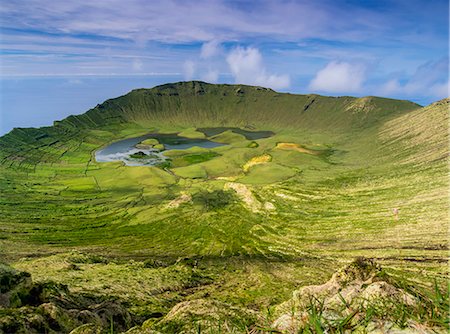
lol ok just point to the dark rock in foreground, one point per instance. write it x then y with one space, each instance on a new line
27 307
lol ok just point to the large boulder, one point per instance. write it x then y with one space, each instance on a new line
352 292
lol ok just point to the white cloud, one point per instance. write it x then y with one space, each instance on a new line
339 77
210 49
394 87
189 69
211 76
246 65
429 79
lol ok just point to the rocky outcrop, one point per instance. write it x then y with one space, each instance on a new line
48 307
361 297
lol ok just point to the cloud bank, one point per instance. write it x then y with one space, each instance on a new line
244 64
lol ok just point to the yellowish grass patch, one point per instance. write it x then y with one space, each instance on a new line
295 147
261 159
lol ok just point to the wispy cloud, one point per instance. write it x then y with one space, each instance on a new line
210 49
430 78
189 69
246 65
211 76
267 42
208 20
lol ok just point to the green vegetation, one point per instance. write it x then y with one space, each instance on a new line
160 147
139 155
356 298
191 133
197 158
228 137
148 143
188 159
213 200
202 244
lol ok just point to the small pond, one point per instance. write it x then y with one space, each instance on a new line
128 150
125 150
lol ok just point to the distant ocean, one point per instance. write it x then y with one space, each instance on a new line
38 101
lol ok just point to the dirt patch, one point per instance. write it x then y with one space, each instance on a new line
183 198
228 178
261 159
269 206
363 104
295 147
245 194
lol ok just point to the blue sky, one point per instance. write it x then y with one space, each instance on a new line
63 57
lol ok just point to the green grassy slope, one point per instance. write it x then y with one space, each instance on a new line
197 104
254 233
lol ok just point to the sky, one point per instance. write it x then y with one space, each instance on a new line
64 57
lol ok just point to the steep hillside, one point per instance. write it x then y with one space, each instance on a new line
198 104
420 136
221 235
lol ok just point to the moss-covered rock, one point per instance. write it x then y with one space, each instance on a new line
353 292
49 307
195 315
14 286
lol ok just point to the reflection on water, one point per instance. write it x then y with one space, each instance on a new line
123 149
